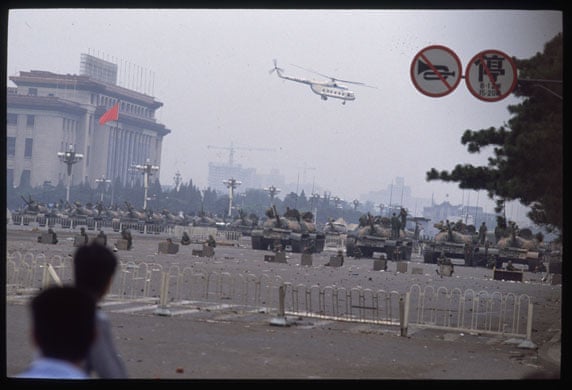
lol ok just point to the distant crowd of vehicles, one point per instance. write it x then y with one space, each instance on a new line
392 237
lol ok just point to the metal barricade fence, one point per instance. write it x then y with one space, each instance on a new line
29 272
338 303
335 241
470 311
427 307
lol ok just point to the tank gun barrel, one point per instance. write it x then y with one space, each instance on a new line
276 216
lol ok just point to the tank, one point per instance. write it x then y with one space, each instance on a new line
244 223
335 227
293 230
512 244
374 234
454 240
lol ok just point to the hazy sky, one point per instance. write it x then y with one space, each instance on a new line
210 68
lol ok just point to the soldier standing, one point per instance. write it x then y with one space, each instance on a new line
395 226
211 241
84 235
482 233
126 235
102 237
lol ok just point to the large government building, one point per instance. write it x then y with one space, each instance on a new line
49 114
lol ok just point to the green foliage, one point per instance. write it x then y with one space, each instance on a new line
527 162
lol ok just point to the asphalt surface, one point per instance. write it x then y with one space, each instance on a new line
210 344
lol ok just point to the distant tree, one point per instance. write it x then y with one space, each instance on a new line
527 163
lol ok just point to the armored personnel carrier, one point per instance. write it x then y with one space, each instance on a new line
374 234
294 231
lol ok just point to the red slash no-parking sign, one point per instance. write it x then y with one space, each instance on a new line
436 71
491 75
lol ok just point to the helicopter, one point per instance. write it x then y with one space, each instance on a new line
325 89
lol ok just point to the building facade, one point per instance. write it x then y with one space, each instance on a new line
49 113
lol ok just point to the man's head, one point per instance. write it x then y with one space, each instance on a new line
94 266
63 321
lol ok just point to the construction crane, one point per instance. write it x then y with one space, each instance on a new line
232 148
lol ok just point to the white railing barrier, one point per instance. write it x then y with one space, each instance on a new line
430 307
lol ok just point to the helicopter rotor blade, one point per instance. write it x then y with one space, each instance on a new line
356 83
276 68
335 79
313 71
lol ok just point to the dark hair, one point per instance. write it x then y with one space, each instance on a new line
64 322
94 266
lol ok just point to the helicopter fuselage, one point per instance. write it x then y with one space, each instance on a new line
333 91
324 89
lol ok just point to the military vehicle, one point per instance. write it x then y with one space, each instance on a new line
513 244
294 230
454 241
244 223
374 234
335 227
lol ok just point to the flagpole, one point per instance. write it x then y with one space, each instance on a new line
117 127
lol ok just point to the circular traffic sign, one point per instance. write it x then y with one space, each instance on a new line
436 71
491 75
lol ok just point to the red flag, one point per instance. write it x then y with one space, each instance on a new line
110 115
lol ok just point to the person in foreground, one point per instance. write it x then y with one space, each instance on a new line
63 330
94 267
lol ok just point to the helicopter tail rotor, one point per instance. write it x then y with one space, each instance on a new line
276 68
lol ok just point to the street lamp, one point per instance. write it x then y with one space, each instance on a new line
69 158
177 179
272 191
102 185
231 184
337 202
147 170
356 204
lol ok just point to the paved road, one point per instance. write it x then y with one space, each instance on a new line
210 341
211 344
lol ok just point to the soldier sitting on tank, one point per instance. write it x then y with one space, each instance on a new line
186 240
509 266
211 241
449 231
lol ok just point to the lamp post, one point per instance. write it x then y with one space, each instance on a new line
272 191
177 179
102 185
315 199
69 158
147 170
337 202
231 184
356 204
